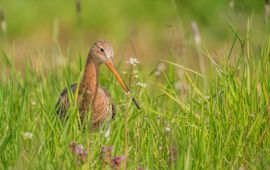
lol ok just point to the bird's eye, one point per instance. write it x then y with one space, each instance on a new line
101 49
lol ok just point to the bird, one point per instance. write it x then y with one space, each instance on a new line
91 96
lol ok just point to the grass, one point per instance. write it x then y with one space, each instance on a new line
214 118
219 120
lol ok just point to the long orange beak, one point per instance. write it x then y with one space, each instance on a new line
121 81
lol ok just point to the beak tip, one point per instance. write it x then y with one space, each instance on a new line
136 103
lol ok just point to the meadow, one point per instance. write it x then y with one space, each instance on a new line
202 81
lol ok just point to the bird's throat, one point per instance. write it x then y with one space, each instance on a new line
89 84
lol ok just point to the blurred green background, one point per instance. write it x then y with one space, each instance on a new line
149 30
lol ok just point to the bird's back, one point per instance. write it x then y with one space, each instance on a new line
63 104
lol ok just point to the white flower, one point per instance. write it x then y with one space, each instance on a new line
242 167
141 84
133 61
207 97
181 74
27 135
33 103
178 85
160 147
157 73
168 129
161 67
135 71
181 86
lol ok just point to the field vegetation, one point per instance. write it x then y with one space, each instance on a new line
201 77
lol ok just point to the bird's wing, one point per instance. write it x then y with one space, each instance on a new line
63 101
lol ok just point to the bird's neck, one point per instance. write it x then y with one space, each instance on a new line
90 83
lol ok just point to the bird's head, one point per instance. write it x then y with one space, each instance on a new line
102 52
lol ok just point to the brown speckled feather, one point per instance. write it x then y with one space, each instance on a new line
103 109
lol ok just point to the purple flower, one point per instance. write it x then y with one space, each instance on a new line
80 153
84 155
79 149
104 148
107 158
111 148
117 160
